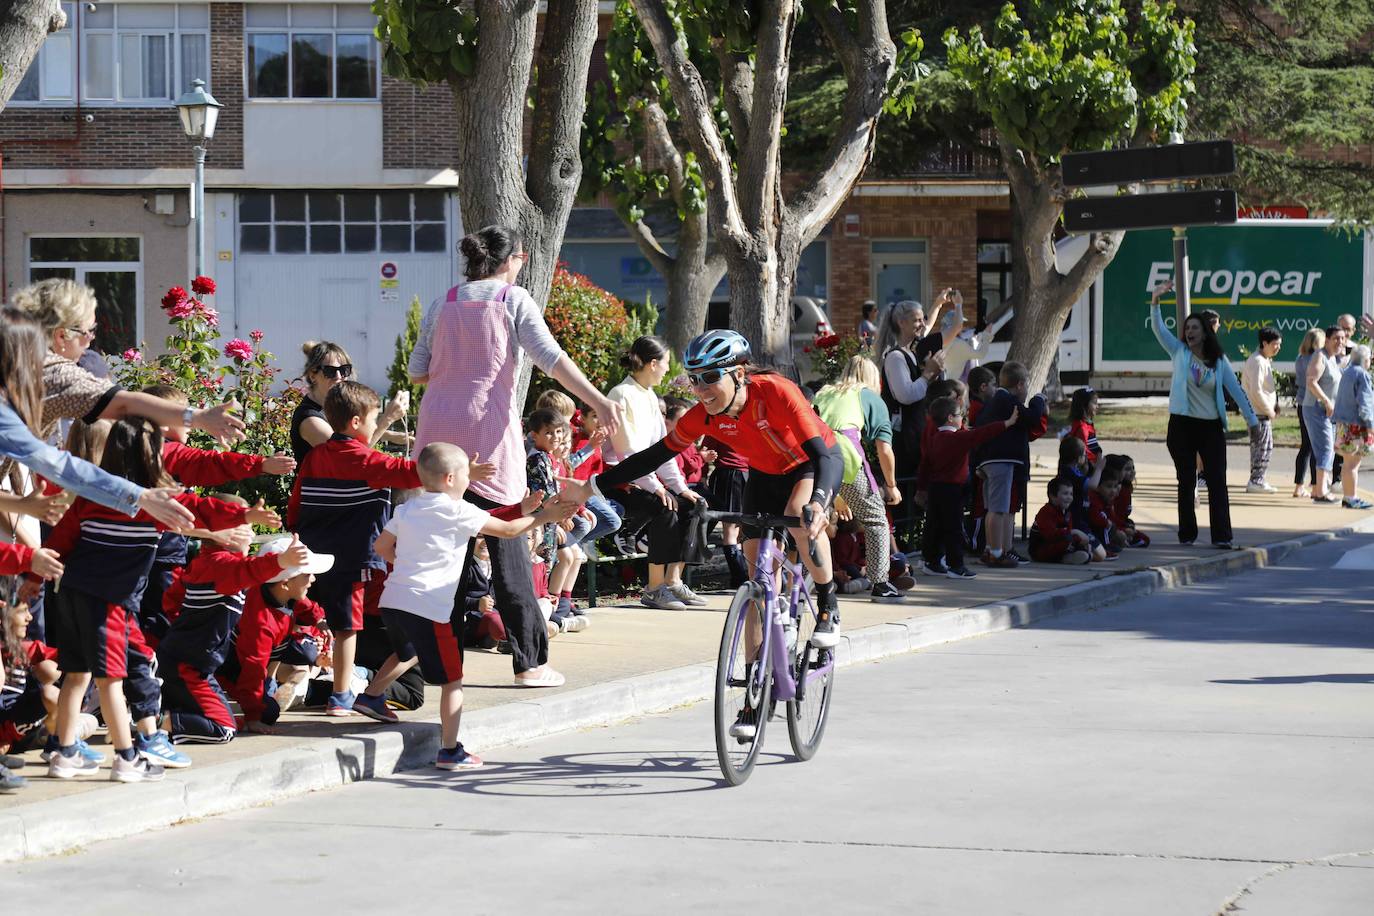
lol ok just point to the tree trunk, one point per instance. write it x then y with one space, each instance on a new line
760 233
24 24
689 294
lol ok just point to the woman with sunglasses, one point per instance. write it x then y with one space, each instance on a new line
794 461
472 345
66 311
327 364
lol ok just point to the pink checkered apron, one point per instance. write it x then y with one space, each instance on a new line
470 398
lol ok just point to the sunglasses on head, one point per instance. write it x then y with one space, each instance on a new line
708 377
343 371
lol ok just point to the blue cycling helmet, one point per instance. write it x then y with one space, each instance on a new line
716 349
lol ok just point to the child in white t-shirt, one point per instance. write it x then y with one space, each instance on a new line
426 542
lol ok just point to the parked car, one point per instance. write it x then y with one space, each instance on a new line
809 321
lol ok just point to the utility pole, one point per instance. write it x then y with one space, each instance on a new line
1181 276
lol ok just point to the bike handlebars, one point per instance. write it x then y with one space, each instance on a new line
758 520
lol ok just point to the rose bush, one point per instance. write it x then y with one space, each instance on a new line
192 364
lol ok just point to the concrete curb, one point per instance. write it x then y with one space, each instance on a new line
60 825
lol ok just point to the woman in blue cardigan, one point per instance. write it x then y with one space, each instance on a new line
1197 419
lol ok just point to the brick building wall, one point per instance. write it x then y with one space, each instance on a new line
419 127
134 138
949 225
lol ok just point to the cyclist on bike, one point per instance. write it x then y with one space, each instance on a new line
794 461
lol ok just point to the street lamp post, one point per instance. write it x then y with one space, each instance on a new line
198 111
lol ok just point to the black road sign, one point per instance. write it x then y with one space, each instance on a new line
1150 163
1151 211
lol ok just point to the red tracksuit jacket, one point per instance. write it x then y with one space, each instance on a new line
1052 534
205 601
109 555
262 627
198 467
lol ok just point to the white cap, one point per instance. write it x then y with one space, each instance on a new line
316 564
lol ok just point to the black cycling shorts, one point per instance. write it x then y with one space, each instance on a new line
767 494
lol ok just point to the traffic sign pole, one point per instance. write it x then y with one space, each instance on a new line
1181 278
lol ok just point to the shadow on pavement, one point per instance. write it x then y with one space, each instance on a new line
1305 679
1302 602
579 775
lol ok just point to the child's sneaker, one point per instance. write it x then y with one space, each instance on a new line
373 708
934 569
340 704
457 758
960 572
574 624
156 748
136 770
10 782
885 591
63 767
50 750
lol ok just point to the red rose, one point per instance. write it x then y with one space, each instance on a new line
830 340
238 348
174 296
203 286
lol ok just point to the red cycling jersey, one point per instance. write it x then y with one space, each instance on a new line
768 433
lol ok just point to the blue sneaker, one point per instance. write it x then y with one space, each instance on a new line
457 759
157 748
83 750
373 707
340 704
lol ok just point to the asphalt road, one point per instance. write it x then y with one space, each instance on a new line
1205 750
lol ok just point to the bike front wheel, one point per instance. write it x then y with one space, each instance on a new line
814 671
743 691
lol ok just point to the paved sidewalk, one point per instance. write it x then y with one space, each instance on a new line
631 650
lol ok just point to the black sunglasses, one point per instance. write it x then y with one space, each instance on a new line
709 377
343 371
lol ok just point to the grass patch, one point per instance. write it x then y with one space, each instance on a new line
1151 424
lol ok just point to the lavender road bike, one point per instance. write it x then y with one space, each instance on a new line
766 656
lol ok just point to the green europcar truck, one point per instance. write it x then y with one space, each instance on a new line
1294 274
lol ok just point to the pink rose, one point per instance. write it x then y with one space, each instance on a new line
131 355
256 335
239 349
182 309
207 313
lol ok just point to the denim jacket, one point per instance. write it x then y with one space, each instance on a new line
65 470
1227 383
1354 398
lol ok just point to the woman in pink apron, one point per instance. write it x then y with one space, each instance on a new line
469 354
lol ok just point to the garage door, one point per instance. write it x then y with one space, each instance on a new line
340 266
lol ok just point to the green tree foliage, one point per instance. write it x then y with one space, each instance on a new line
1050 76
398 373
1292 81
1077 74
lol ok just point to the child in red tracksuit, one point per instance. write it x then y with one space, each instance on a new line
943 473
1053 537
1100 500
339 504
108 558
1122 507
192 467
206 600
271 612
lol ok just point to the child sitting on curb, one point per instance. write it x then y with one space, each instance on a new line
1122 505
1054 537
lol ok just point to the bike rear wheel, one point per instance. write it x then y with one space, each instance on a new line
806 717
739 685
